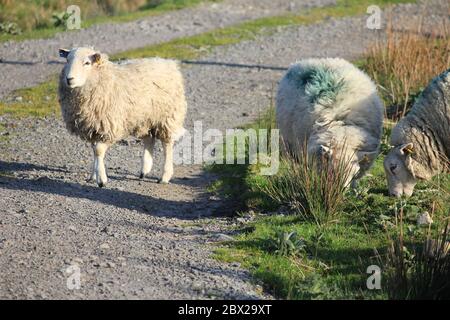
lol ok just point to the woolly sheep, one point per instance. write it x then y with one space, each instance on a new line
103 102
334 108
421 140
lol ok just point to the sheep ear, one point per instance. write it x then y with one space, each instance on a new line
63 53
326 151
97 58
407 149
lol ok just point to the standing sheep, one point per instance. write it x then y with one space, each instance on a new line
421 140
334 108
103 102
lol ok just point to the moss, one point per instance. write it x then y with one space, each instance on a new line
38 101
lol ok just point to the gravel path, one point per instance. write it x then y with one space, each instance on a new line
30 62
137 239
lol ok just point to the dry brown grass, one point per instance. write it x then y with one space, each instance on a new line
405 62
313 188
31 14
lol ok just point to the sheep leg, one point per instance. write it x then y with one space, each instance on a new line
168 162
147 158
100 151
93 176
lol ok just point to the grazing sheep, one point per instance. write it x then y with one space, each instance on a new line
103 102
334 108
421 140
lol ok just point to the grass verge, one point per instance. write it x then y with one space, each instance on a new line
195 46
296 258
38 101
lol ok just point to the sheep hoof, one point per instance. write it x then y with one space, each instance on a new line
142 176
101 185
161 181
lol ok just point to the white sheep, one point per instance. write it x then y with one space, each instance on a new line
421 140
103 102
332 108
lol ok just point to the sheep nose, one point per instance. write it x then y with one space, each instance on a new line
69 80
395 194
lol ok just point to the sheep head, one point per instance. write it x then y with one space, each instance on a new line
80 63
342 158
398 166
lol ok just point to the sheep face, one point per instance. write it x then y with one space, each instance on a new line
80 62
397 166
338 160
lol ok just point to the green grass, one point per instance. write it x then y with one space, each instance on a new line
163 7
334 260
334 267
41 100
38 101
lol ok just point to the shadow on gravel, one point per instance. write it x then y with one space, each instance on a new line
118 198
234 65
21 166
29 63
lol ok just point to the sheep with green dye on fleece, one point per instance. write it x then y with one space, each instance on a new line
331 110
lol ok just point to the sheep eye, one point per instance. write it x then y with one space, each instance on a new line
392 168
87 63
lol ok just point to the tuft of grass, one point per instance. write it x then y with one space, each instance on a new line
420 270
404 64
312 188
